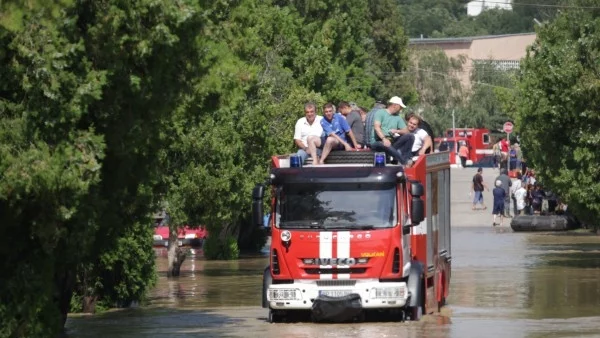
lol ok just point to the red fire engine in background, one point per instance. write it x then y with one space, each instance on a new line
358 236
477 140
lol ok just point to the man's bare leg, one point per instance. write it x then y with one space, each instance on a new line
331 143
313 143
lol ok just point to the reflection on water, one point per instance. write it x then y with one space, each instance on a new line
504 284
519 284
209 283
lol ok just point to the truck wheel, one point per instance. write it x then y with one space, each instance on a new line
267 281
415 312
275 316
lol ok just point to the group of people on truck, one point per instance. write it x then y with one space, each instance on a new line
352 128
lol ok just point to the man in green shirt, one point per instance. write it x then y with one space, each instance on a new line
383 125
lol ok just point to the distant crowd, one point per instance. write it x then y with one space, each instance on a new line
528 197
508 156
351 128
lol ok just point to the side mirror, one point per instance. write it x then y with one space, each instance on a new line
417 206
258 193
416 189
417 214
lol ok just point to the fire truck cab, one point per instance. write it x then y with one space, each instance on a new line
477 140
357 235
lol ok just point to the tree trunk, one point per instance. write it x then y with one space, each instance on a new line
65 283
175 254
89 304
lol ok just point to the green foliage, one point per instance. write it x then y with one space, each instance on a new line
216 249
436 78
259 63
485 108
128 271
557 109
86 86
253 239
448 18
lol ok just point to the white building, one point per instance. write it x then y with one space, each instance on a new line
474 8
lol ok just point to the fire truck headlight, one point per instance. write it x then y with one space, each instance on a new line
362 260
286 236
308 261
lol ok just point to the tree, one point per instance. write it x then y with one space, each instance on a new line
557 108
448 18
83 99
484 108
439 87
263 63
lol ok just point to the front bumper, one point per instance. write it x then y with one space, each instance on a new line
373 294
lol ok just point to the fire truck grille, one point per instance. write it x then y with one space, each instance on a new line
336 282
317 271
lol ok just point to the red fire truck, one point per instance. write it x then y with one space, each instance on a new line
477 140
357 235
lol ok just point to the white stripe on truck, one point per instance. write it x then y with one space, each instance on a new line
325 251
343 251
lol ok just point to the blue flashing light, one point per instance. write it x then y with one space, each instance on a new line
379 160
295 161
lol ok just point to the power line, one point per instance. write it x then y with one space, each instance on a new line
415 70
537 5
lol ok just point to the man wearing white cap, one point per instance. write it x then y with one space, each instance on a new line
381 127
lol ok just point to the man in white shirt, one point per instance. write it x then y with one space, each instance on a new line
515 185
307 133
520 195
422 139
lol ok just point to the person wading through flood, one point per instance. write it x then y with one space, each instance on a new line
477 188
506 184
499 196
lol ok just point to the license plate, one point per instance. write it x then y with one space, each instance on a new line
334 293
180 243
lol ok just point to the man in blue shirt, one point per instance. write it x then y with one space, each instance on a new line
335 129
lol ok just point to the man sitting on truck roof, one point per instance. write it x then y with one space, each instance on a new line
354 121
422 125
422 142
382 124
307 133
335 128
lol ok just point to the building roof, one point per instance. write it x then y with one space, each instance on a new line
466 39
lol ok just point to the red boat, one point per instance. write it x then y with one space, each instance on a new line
187 236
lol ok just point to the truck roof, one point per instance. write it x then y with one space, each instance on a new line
337 173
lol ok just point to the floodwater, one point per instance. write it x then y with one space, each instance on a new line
503 284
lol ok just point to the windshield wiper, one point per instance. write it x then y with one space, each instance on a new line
307 224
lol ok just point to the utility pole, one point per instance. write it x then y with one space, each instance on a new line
454 133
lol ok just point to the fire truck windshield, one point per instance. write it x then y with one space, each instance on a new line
337 206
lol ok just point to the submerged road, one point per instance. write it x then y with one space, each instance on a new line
503 284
